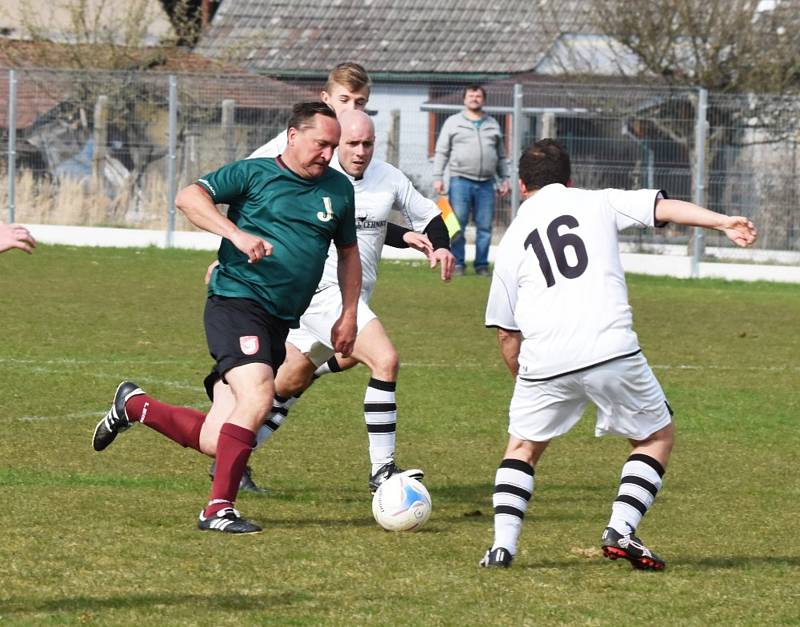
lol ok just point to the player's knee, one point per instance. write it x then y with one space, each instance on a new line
386 365
660 441
666 435
255 405
208 442
294 382
525 450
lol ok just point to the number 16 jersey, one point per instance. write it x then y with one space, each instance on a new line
558 278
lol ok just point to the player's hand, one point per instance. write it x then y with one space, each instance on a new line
504 188
343 334
418 241
739 230
447 261
210 270
438 187
16 236
253 246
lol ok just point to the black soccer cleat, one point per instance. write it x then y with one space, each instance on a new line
616 545
227 520
116 420
246 483
389 469
496 558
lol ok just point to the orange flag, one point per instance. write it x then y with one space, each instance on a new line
449 217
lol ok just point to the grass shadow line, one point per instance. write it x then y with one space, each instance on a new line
226 602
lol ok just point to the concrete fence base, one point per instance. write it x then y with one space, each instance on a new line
664 261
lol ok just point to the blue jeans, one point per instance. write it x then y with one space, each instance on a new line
475 198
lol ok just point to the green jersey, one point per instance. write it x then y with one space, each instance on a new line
298 216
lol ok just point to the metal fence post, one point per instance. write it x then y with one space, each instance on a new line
699 193
12 143
171 159
516 147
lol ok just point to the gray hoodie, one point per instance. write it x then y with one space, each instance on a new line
475 153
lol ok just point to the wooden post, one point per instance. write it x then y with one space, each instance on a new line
393 139
548 125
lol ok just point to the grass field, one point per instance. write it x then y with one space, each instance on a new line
110 538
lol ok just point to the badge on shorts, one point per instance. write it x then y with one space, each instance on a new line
249 344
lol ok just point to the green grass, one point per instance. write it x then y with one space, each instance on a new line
110 539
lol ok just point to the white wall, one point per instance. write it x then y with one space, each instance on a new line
414 161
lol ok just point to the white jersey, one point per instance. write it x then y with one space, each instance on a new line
272 148
558 278
382 188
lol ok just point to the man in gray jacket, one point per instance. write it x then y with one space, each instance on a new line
472 143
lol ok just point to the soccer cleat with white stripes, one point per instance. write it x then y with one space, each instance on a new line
616 545
496 558
389 469
116 420
227 520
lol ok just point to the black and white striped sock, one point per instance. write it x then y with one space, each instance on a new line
380 414
279 413
639 483
513 488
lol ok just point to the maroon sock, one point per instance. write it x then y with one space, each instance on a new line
234 446
181 424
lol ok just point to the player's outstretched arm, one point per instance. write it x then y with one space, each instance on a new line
343 333
401 237
200 210
738 229
16 236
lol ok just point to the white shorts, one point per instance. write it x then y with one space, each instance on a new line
629 400
313 338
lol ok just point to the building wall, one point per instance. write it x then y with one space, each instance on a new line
407 99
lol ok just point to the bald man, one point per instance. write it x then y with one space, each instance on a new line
379 187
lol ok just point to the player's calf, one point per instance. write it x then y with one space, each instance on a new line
246 483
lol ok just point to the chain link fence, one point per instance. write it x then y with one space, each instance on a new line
111 148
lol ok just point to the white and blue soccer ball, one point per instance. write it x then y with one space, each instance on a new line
401 504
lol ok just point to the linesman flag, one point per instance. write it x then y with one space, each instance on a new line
449 217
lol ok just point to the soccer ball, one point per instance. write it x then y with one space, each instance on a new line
401 504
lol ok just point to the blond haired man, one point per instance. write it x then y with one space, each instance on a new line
346 89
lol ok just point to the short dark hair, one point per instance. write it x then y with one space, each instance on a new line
544 163
473 88
303 114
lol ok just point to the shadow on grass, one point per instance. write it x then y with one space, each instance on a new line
36 478
730 563
737 563
133 601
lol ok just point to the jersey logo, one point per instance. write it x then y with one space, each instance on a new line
249 344
326 217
